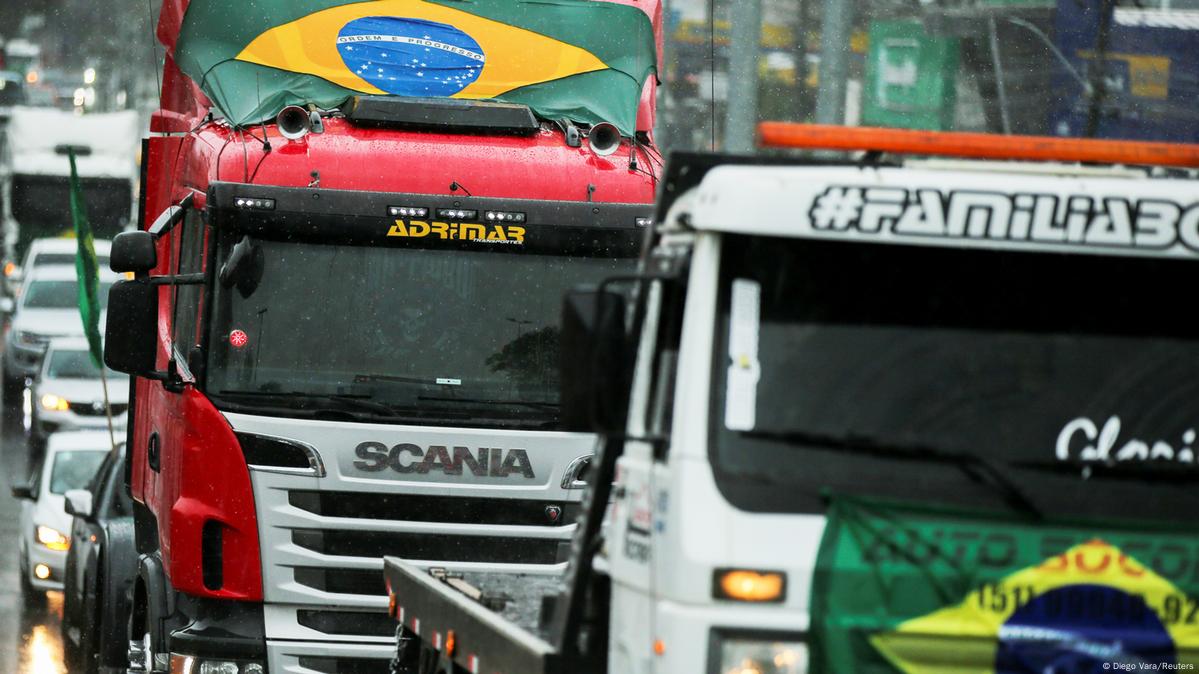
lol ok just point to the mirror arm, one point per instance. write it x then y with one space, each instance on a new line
172 216
178 280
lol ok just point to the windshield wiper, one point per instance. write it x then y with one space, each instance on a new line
482 401
973 466
295 400
1162 472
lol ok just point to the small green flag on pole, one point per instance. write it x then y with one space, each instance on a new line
88 272
87 269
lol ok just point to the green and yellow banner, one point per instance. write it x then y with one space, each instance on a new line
583 60
908 590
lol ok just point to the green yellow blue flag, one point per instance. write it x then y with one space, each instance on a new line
584 60
87 269
905 590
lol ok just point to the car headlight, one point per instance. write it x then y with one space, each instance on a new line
52 538
53 403
188 664
760 654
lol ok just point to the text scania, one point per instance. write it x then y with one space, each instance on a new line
1112 222
409 458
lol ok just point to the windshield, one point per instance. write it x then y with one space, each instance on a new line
52 259
11 92
76 364
1075 68
74 470
1067 373
436 336
59 294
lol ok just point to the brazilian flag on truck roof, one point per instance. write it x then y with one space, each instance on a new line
576 59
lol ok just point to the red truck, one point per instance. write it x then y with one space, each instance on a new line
343 331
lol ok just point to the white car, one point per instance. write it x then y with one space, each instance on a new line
50 252
71 462
48 307
68 394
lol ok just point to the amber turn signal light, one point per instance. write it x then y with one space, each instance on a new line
749 585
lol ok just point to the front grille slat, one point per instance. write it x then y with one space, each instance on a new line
424 508
345 665
375 624
433 547
342 581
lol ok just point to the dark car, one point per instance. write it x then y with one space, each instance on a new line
100 568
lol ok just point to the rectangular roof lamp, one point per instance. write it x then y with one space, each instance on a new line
441 114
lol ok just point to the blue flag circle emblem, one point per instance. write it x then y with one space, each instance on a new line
1081 628
410 57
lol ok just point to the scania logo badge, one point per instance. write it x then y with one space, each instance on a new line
553 513
408 458
97 407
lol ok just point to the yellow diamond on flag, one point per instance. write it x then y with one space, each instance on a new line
1088 607
417 48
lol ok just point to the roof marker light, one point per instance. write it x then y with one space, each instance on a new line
503 216
407 211
456 215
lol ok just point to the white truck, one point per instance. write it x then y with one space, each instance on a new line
883 416
35 175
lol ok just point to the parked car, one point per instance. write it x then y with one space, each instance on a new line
100 568
68 395
71 461
48 307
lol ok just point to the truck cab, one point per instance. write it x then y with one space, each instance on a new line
342 329
882 416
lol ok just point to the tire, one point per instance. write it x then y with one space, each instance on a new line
89 632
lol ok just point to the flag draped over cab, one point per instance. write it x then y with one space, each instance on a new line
582 60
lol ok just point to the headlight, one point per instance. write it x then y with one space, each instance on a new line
53 403
52 538
761 655
187 664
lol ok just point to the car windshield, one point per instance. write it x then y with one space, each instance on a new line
76 364
11 92
74 470
441 335
54 259
58 294
1069 373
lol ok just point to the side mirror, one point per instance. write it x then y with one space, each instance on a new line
596 362
22 491
131 331
78 502
7 305
133 252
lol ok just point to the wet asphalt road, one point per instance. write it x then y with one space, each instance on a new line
29 640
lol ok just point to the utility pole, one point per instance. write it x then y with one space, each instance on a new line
744 48
835 31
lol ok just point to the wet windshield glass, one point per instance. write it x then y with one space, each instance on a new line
1068 374
58 295
1075 68
77 365
442 335
74 470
